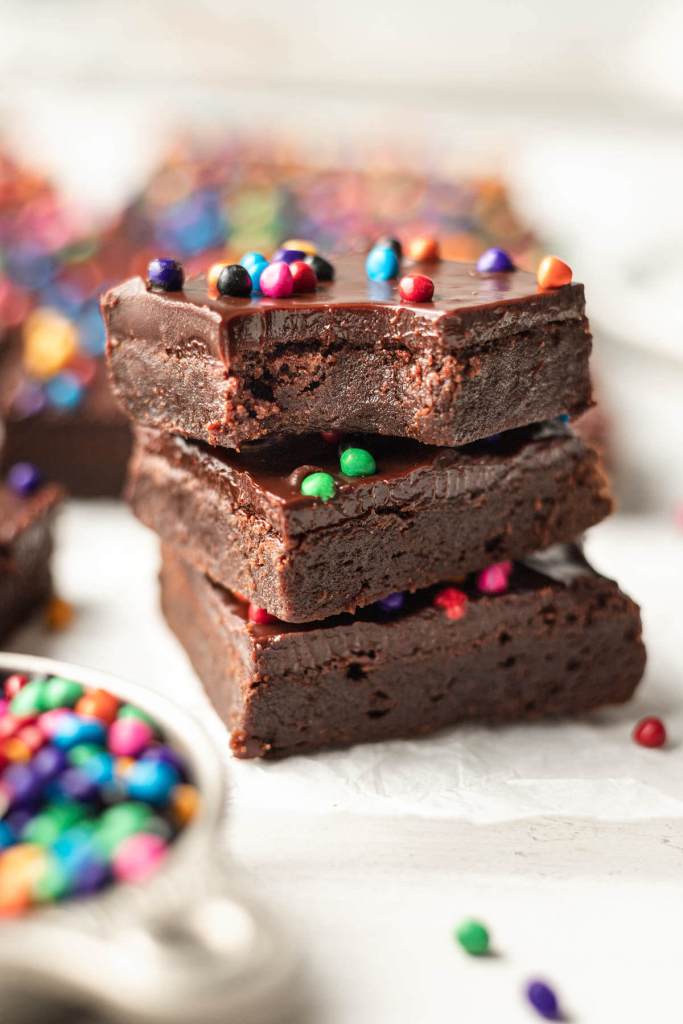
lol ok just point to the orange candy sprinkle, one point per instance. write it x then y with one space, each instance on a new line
58 614
184 802
98 704
20 868
15 749
553 272
424 249
212 276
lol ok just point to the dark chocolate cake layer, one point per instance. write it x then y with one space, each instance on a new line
25 552
492 352
560 640
426 513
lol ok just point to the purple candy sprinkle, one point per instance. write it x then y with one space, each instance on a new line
24 478
494 261
165 275
543 1000
76 784
92 875
392 602
49 762
29 401
167 755
23 782
287 256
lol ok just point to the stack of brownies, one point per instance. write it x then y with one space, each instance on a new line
368 505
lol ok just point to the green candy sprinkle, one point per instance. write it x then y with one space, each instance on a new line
318 485
473 936
130 711
83 752
62 693
53 884
47 826
119 822
357 462
30 700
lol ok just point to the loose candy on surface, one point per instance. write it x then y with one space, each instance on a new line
473 936
543 1000
59 614
75 816
650 732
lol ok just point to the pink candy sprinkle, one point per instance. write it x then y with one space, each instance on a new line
49 721
138 856
276 281
128 737
495 579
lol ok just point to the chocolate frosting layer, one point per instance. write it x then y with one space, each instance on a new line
465 302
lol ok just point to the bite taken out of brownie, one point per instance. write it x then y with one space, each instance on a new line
490 352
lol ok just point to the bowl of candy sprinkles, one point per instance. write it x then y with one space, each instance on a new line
93 791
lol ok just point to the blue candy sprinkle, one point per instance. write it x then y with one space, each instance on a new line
72 729
64 391
382 264
151 781
24 478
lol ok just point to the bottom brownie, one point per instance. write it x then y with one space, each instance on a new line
559 640
25 552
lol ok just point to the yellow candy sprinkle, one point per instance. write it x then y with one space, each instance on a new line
50 343
301 244
58 614
184 803
20 868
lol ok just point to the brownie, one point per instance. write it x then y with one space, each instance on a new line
86 449
426 513
561 640
492 352
25 552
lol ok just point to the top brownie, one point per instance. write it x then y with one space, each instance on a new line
490 353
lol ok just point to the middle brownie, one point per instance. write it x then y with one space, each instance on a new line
426 514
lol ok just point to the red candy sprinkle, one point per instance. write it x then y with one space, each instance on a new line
416 288
331 436
650 732
259 615
14 683
303 277
453 602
